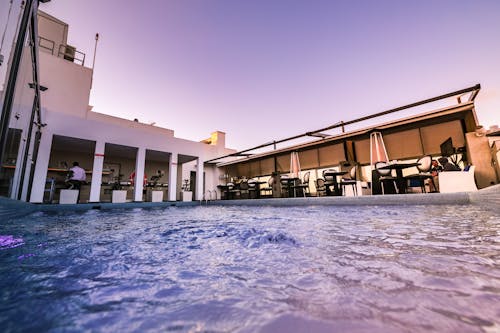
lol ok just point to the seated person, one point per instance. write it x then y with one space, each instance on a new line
447 165
76 177
131 179
435 169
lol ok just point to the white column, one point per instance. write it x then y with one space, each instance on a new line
199 179
140 162
179 180
172 177
42 164
95 186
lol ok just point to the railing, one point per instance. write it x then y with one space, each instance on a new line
66 52
46 44
70 53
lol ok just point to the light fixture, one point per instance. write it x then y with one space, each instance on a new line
32 86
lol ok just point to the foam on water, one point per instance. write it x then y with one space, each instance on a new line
253 269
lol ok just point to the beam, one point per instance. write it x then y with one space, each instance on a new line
474 89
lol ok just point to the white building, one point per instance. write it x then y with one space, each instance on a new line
110 149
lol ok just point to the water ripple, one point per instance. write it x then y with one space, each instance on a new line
241 269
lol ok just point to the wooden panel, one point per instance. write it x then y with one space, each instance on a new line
308 159
403 145
433 136
331 155
362 151
231 170
350 150
283 163
254 169
266 166
243 170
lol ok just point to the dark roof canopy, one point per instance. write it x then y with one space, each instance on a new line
452 121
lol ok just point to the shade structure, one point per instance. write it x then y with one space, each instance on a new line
294 164
378 153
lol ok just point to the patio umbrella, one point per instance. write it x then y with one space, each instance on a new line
294 165
377 148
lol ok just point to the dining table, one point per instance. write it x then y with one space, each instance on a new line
399 167
258 183
289 183
331 180
224 189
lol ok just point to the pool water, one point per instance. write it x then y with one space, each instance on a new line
252 269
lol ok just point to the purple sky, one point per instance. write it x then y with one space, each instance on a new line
264 70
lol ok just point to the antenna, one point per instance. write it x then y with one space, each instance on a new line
93 62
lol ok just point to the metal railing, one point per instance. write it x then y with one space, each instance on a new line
66 52
70 53
46 44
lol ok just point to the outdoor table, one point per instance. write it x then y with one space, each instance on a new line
400 180
257 188
289 182
224 190
336 188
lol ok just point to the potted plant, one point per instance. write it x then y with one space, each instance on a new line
156 194
118 194
186 194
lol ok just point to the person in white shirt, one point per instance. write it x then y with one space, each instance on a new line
76 176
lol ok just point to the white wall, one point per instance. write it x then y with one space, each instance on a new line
65 110
68 85
101 117
139 137
52 29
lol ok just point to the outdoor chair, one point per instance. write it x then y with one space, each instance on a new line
385 176
320 187
285 186
232 191
268 191
252 188
350 180
304 186
423 173
328 178
244 190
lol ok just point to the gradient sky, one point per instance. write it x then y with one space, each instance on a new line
265 69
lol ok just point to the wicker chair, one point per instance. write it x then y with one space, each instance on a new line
320 187
385 176
304 186
423 172
350 181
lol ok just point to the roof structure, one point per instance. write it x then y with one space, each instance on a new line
407 137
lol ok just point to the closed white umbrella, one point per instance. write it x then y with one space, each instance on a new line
378 153
294 165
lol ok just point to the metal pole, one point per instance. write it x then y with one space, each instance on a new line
27 149
11 83
93 61
33 32
95 49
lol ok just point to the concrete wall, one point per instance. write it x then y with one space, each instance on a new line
112 120
52 29
70 125
478 154
66 112
68 85
494 143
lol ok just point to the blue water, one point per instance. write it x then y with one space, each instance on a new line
252 269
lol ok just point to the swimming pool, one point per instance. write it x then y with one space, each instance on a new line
252 269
